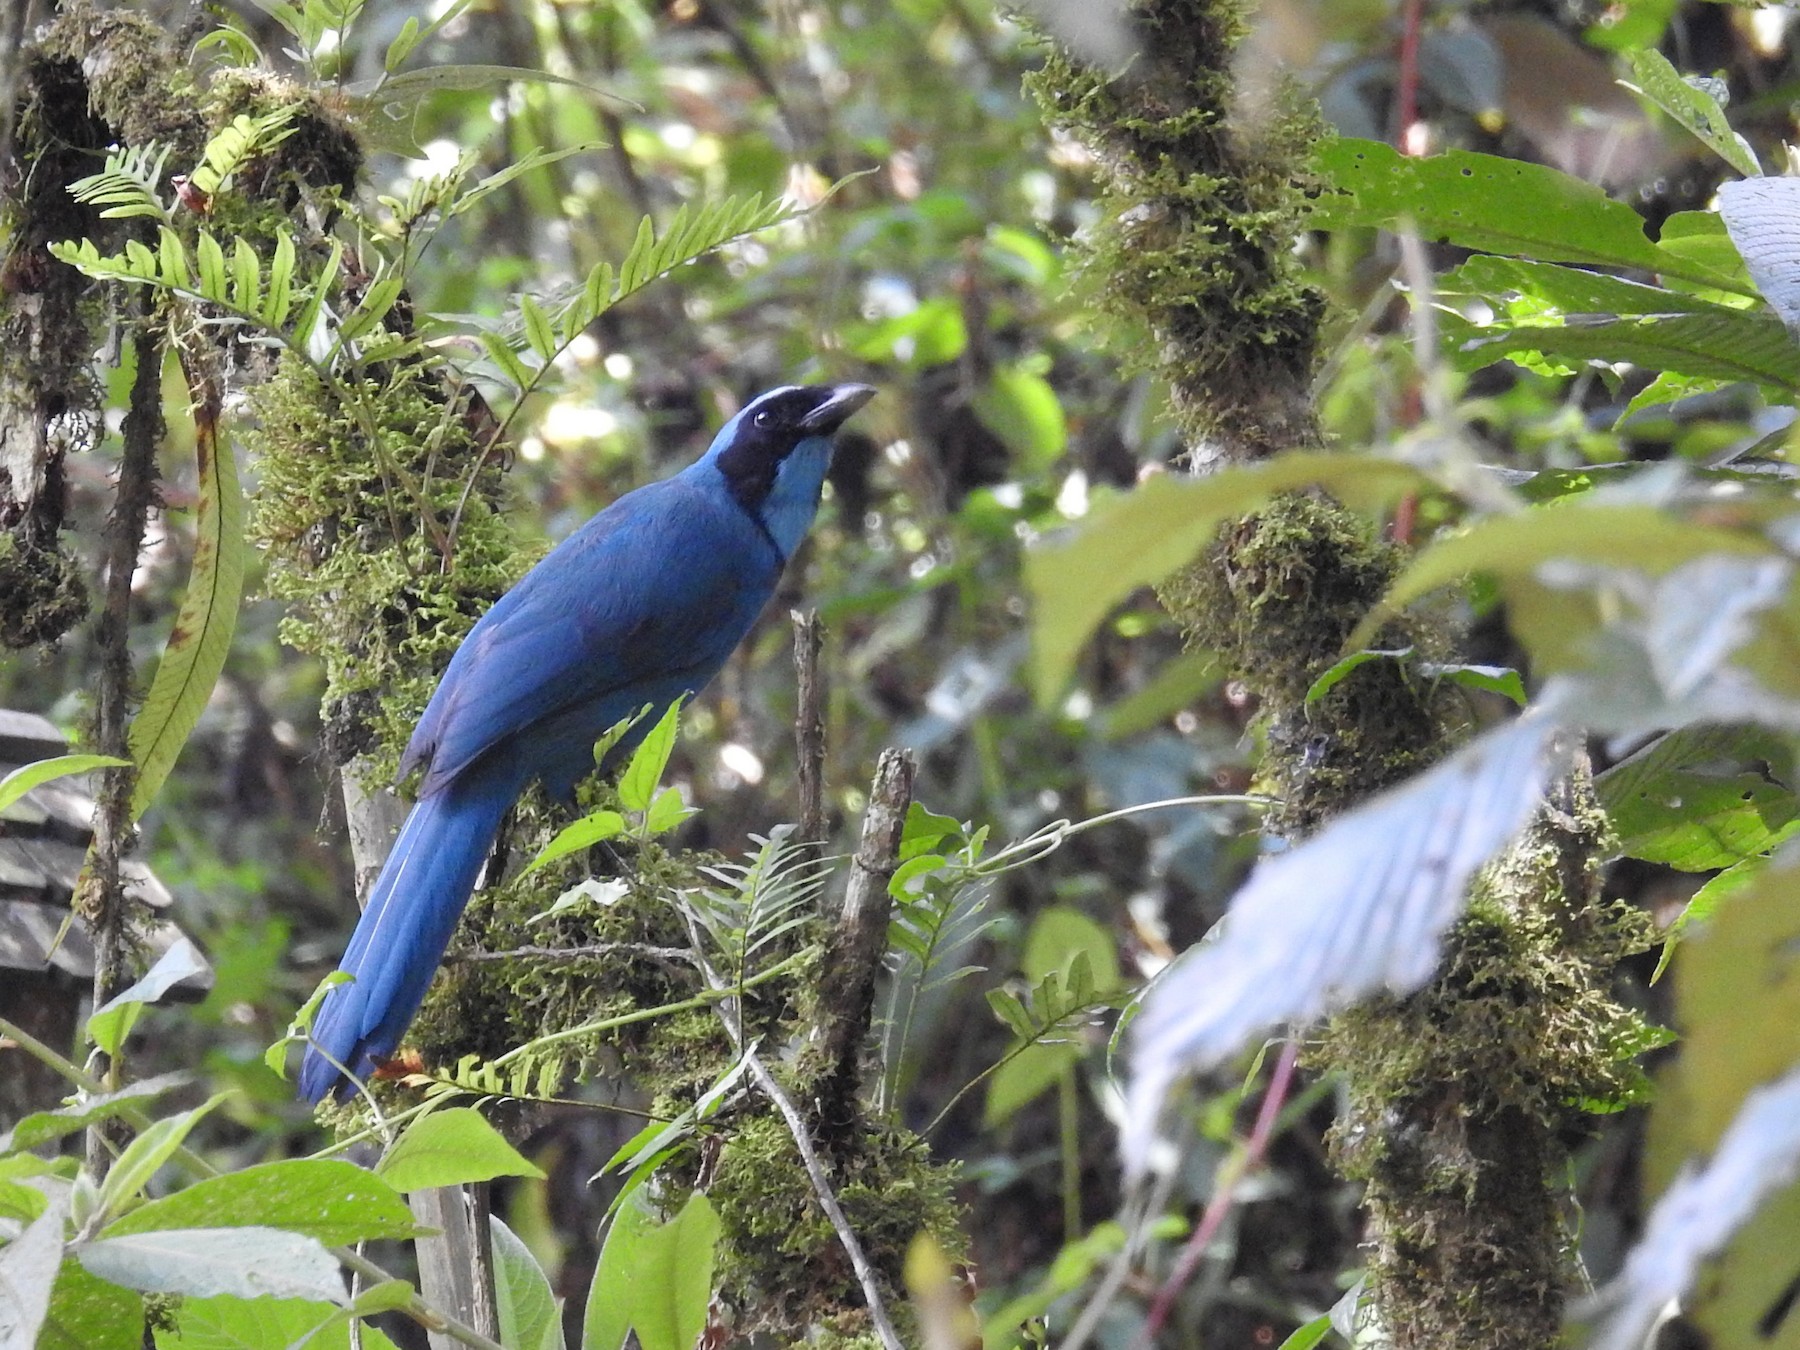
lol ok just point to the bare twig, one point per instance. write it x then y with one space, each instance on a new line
853 951
809 726
809 1156
101 891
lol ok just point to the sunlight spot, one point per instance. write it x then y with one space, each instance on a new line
742 761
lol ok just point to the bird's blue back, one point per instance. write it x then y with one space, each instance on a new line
640 606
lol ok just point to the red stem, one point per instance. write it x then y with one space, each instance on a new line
1219 1206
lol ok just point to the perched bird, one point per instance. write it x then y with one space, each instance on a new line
641 605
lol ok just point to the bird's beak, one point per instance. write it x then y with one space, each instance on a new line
836 410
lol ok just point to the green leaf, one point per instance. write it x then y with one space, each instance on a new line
637 785
246 277
225 1322
666 812
1308 1334
451 1147
411 35
1177 684
1334 676
200 641
1138 538
1022 409
376 303
281 281
23 779
500 352
308 317
1502 680
1060 934
212 269
674 1278
144 1156
926 830
1692 106
42 1126
1549 292
202 1262
241 140
1703 797
326 1198
1701 906
1025 1076
583 833
530 1313
1719 344
28 1267
110 1025
88 1313
1489 203
932 333
537 328
1607 533
606 1321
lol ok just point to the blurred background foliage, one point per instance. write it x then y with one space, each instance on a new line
933 266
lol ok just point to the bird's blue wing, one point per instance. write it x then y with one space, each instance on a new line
646 600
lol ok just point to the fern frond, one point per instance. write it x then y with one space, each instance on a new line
126 187
241 140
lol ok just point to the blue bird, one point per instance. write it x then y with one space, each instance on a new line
642 605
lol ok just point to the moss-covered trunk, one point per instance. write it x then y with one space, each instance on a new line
1457 1136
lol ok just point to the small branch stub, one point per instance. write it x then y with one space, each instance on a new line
853 952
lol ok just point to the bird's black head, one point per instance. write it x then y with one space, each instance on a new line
773 455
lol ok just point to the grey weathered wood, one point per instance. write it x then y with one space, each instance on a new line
456 1266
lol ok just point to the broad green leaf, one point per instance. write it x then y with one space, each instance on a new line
530 1314
1703 797
583 833
932 333
42 1126
674 1278
326 1198
1737 994
146 1154
925 830
1703 904
666 812
88 1313
637 785
1489 203
225 1322
23 779
1058 935
200 641
247 1262
1138 538
28 1266
1608 534
1021 408
1022 1078
501 353
607 1319
1698 111
451 1147
1719 344
1551 292
1178 684
212 268
109 1027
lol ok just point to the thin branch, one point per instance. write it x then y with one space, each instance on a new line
809 726
100 894
809 1156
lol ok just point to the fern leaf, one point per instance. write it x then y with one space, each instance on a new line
246 278
281 282
211 259
233 145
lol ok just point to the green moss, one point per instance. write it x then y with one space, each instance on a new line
1276 596
42 593
1196 246
781 1264
375 536
1460 1093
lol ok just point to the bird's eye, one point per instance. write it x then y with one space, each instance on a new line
763 419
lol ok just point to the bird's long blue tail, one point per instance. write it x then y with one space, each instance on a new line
412 910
